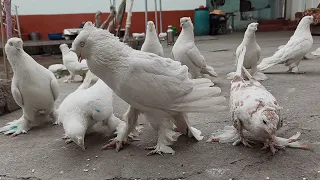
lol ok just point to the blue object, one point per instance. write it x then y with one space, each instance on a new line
55 36
201 22
98 110
14 127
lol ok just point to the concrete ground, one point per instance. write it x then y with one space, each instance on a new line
41 154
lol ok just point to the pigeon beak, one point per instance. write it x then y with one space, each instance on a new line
80 59
181 24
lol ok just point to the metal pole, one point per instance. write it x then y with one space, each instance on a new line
18 24
2 43
160 16
146 14
156 15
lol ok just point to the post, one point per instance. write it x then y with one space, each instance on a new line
18 24
160 1
146 14
156 15
7 5
3 42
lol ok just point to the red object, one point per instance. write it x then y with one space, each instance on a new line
58 22
201 7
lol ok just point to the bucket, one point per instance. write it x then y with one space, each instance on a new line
34 36
201 22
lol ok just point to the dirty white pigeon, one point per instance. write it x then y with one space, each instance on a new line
34 88
254 111
252 56
59 70
151 43
186 52
296 48
89 80
84 108
70 60
156 86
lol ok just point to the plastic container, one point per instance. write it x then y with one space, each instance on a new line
201 22
55 36
34 36
174 31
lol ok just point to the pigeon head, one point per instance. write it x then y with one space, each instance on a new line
14 45
150 26
79 44
98 13
64 48
74 130
308 19
268 121
185 22
253 26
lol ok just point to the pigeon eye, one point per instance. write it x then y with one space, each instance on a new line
82 44
264 122
10 43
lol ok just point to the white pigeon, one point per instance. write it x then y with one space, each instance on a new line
59 70
255 111
89 80
252 56
156 86
186 52
84 108
296 48
70 60
151 43
34 88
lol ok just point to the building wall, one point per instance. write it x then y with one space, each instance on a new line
48 16
294 6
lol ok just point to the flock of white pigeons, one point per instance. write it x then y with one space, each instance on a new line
163 90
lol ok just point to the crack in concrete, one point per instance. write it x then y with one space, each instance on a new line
6 177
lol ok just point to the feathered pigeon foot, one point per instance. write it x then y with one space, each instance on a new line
16 127
54 118
259 76
244 141
113 143
160 149
295 70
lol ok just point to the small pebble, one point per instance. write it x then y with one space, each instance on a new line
94 169
32 170
183 172
88 159
86 170
304 178
87 165
61 172
267 178
318 171
159 173
97 156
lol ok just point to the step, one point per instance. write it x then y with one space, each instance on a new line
270 22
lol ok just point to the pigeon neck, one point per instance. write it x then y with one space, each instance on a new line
187 34
151 35
302 28
19 60
64 50
249 35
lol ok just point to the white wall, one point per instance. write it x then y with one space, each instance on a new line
299 6
29 7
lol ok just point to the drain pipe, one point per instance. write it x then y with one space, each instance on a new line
146 15
156 15
160 1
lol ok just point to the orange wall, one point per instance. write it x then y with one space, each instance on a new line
45 24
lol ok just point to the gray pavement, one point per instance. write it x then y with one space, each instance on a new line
42 154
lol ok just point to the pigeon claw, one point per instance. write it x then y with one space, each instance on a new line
113 143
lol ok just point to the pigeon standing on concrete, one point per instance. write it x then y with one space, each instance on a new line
252 55
70 60
34 88
255 111
84 108
155 86
186 52
296 48
151 43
